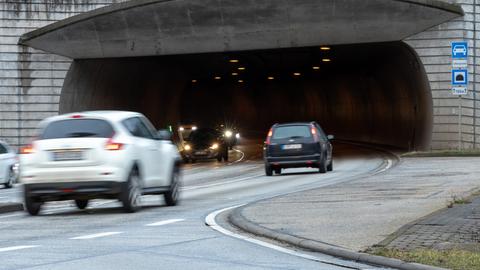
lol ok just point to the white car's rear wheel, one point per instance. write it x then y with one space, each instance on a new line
31 205
131 194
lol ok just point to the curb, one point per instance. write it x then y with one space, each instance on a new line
10 207
237 219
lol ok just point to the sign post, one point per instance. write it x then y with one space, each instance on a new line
460 79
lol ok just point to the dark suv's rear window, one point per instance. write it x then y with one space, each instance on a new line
76 128
300 131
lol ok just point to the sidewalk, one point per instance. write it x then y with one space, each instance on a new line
455 227
359 214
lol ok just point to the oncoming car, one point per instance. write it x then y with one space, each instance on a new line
99 154
294 145
205 143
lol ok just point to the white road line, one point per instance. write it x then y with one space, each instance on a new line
387 167
13 215
165 222
15 248
221 183
239 160
97 235
210 221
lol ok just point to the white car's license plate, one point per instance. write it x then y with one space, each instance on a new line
292 146
67 155
201 153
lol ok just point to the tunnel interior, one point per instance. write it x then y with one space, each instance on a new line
374 93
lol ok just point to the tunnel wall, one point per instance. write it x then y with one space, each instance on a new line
31 80
384 102
434 49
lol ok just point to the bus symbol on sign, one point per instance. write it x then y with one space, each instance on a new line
459 49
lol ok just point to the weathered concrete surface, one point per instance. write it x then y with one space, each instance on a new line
362 213
159 27
374 93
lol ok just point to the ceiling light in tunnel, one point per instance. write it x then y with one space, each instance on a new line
326 60
218 77
234 74
194 81
240 81
325 48
233 60
316 67
241 68
297 74
271 78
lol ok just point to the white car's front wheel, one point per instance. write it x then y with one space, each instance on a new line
131 194
171 196
10 178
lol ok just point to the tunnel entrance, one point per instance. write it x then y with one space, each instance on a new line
376 93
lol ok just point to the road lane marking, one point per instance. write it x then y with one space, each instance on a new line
387 167
97 235
165 222
13 215
239 160
210 221
221 183
15 248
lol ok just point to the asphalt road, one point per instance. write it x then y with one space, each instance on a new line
160 237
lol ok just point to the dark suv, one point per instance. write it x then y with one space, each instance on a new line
295 145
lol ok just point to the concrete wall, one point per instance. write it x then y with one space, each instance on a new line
31 80
433 47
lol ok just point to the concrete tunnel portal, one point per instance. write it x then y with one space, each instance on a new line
172 61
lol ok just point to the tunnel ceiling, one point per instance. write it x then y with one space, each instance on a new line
163 27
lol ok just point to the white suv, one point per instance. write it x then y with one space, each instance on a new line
99 154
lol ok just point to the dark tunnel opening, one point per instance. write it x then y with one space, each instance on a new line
375 93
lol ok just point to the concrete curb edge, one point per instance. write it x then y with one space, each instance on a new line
10 207
237 219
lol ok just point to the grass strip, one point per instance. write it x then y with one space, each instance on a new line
455 259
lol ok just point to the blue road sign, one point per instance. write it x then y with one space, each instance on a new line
459 49
459 77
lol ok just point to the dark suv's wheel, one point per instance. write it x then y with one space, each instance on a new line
32 205
330 166
131 192
268 170
10 178
171 196
81 204
322 166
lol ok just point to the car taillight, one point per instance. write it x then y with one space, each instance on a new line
111 145
269 136
28 149
314 133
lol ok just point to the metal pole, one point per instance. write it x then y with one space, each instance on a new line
460 122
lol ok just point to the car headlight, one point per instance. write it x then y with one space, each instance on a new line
228 134
237 135
214 146
187 147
